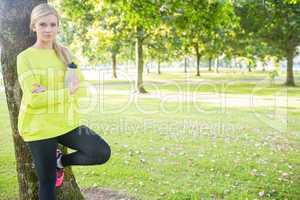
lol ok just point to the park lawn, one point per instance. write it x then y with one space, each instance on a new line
8 179
222 75
255 83
162 152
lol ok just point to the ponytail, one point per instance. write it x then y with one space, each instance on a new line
63 53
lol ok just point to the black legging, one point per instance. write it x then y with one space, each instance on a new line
92 150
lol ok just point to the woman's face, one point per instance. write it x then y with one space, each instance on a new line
46 28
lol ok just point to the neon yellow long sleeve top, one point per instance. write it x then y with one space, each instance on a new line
53 112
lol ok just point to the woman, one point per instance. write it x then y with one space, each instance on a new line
47 115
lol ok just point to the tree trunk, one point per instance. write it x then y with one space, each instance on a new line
185 65
148 68
114 65
139 60
198 58
217 65
249 68
158 65
209 64
264 66
289 70
15 37
226 61
235 64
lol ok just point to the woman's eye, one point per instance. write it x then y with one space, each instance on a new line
42 24
53 25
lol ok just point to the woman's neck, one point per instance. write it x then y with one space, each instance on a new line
43 45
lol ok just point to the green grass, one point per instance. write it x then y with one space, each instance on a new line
255 83
178 152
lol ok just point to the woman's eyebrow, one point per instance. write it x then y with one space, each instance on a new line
52 23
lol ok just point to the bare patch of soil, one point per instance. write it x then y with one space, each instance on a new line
96 193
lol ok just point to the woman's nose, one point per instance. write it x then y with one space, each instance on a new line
48 29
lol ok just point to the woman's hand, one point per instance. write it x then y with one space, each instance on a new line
38 88
73 84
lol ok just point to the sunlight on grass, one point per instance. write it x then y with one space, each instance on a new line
176 151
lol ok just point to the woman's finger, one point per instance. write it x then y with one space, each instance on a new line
39 89
74 86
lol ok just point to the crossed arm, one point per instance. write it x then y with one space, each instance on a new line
73 86
37 95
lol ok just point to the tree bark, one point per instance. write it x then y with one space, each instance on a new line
289 70
264 63
217 65
114 65
15 37
209 64
185 65
249 68
235 63
158 65
139 60
198 58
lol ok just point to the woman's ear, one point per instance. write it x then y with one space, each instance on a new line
33 28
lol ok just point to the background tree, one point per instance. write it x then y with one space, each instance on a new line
158 46
143 17
199 20
109 32
277 24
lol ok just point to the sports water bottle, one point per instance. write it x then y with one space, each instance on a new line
70 72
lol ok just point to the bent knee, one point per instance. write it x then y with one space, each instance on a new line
106 154
102 153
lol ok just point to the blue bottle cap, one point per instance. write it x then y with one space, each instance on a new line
72 65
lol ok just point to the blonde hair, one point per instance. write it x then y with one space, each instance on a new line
42 10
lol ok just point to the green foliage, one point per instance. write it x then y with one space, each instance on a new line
273 22
276 23
273 74
205 25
